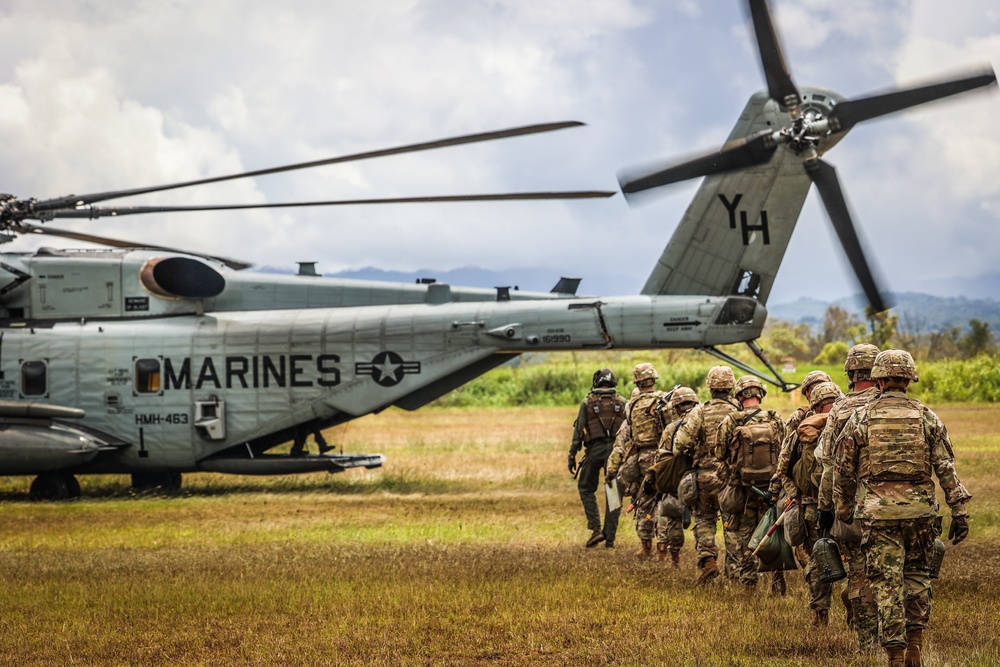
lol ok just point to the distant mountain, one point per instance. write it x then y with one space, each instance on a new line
923 312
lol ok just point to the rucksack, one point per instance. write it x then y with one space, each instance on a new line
605 414
758 443
804 471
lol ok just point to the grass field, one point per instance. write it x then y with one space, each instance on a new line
465 549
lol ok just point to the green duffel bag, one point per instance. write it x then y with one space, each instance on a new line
667 473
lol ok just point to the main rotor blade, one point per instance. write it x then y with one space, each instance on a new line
849 113
739 154
24 228
99 212
824 176
72 201
779 82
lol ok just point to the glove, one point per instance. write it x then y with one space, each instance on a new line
648 488
825 519
572 464
959 529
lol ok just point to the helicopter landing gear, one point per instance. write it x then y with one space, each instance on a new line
54 486
150 481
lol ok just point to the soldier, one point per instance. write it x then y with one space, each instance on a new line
747 449
601 415
638 438
669 509
696 438
811 379
798 473
890 447
858 599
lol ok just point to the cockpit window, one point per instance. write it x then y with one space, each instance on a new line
34 380
147 376
737 311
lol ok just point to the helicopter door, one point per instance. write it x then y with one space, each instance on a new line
210 418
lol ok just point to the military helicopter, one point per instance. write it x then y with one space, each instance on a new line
154 362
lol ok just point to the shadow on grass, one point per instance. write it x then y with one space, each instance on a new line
109 487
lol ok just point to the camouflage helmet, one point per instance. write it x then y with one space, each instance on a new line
604 378
644 374
824 391
812 379
861 357
720 377
894 364
683 395
747 383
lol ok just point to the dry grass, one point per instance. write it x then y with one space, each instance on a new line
463 550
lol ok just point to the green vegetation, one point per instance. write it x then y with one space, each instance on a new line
464 550
562 379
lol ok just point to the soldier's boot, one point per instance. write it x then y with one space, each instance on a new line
896 656
709 571
914 645
675 557
778 583
661 552
646 550
596 538
821 617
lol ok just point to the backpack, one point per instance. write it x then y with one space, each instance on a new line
605 414
646 421
667 472
758 443
804 471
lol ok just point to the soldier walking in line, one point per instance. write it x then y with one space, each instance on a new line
798 474
811 379
858 599
601 415
669 509
696 438
890 448
636 446
748 445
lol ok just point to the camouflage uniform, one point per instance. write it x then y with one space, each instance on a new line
889 448
858 599
638 437
645 420
696 437
595 430
797 473
726 451
669 511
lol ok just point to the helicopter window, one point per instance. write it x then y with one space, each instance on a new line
747 283
147 376
737 311
33 378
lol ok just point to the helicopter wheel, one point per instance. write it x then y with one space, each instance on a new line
54 486
166 481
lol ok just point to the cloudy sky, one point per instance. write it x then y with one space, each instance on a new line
98 96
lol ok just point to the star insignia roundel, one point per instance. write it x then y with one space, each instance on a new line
387 368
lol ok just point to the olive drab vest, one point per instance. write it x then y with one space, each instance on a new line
646 420
605 414
758 441
897 450
713 412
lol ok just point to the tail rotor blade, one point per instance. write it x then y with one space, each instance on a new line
825 177
849 113
779 82
739 154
